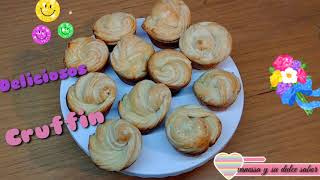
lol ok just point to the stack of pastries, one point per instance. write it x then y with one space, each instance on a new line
157 77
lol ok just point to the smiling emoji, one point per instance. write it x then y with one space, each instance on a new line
65 30
47 10
41 34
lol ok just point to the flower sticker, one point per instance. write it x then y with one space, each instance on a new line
282 88
289 75
291 82
275 78
283 62
296 65
302 76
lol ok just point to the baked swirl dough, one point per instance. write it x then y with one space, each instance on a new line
92 93
129 57
171 68
115 145
112 27
89 51
168 20
217 88
206 44
146 105
192 129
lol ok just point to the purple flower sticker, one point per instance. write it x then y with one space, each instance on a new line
296 65
41 34
282 88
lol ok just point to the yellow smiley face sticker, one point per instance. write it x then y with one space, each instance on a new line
47 10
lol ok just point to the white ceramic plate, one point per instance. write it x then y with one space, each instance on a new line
157 157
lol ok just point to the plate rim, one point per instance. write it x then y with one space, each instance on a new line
177 172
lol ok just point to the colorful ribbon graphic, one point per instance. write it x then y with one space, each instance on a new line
294 94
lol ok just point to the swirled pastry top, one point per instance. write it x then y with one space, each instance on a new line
192 129
206 43
146 105
112 27
129 57
171 68
89 51
115 145
91 93
217 88
168 20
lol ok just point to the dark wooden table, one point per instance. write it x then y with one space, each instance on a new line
261 30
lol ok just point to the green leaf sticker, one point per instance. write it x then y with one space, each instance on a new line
271 69
304 66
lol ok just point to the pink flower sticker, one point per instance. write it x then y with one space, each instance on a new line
302 76
283 62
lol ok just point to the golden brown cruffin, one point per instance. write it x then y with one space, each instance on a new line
191 129
146 105
115 145
171 68
168 20
217 88
89 51
130 56
111 27
206 44
92 92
